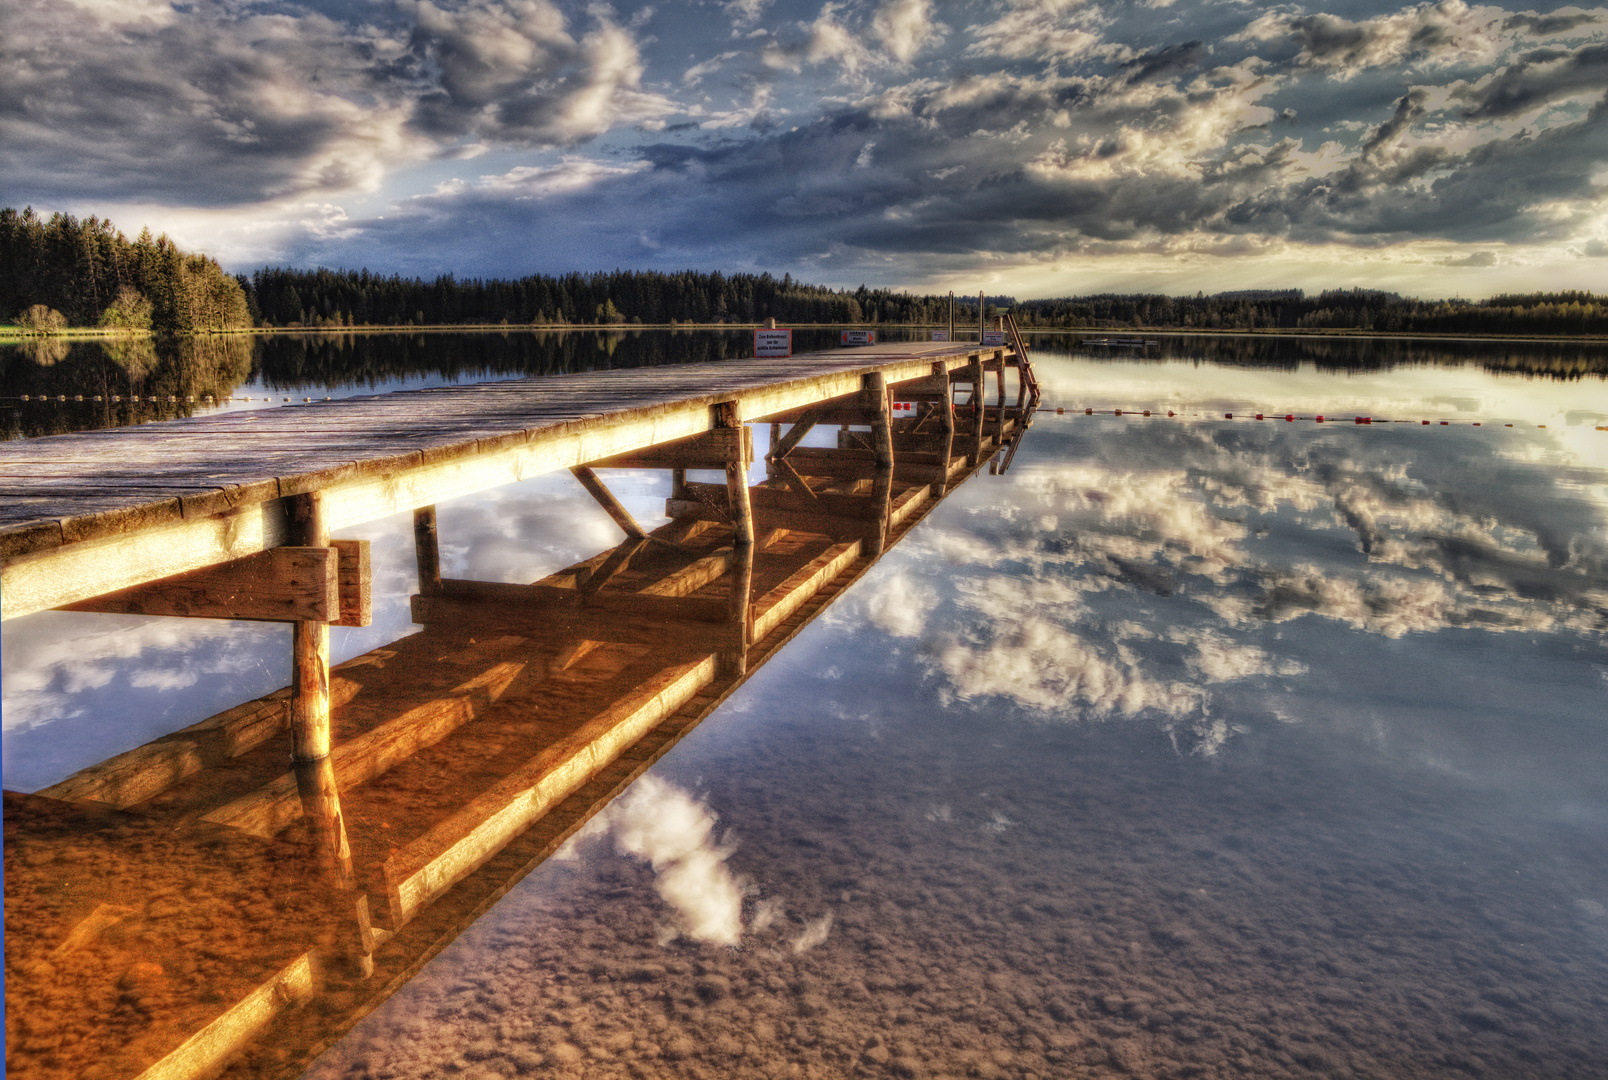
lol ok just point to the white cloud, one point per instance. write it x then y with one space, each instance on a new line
662 824
831 41
905 27
1432 35
695 74
1044 29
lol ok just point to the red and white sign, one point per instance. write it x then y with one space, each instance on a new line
903 409
993 337
773 343
859 337
940 335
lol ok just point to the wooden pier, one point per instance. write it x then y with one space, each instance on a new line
194 905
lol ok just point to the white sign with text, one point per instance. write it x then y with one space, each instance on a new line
773 343
859 337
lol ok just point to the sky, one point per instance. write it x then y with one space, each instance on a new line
1030 147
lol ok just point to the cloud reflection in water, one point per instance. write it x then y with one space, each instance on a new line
1134 570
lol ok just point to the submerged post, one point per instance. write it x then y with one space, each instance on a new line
427 549
946 426
876 389
974 372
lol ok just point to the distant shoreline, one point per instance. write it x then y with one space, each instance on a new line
12 335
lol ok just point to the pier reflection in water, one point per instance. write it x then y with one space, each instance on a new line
1206 748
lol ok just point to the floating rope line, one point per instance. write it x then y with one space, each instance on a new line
1317 418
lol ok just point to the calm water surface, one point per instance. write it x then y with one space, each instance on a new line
1188 747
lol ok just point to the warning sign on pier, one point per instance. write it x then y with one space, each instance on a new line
940 335
993 337
773 343
859 337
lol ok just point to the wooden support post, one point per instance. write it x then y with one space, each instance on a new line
427 549
605 498
310 750
678 483
770 454
876 388
784 469
999 385
946 427
742 515
974 372
733 660
618 560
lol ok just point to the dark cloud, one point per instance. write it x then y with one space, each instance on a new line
1548 25
224 104
896 147
1164 63
1537 78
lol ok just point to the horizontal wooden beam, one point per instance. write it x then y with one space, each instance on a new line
710 450
433 863
766 499
561 602
804 521
481 616
689 579
286 584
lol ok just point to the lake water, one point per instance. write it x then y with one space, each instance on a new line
1190 746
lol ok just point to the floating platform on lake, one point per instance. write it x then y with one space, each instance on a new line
192 905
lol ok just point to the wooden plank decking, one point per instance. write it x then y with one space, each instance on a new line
82 515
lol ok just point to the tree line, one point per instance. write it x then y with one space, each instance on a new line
334 298
61 271
1564 313
85 273
322 298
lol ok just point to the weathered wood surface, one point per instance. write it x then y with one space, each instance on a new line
287 584
88 513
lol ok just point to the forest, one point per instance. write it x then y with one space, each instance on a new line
62 271
1562 313
65 272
